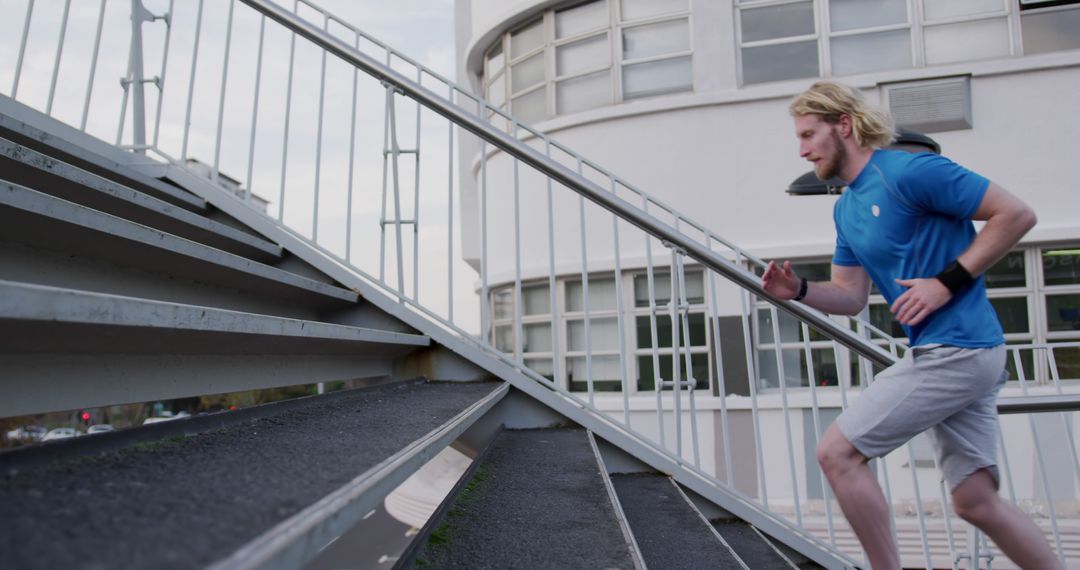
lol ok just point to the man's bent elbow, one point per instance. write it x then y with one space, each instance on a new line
1028 219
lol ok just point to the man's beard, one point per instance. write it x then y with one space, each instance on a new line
826 169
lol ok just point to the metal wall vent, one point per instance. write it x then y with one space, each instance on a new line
931 106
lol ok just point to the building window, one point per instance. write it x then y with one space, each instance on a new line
692 338
794 39
586 343
1049 26
590 55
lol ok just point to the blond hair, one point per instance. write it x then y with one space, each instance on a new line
871 126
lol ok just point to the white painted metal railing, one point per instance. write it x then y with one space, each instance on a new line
510 153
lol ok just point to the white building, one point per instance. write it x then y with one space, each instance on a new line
687 100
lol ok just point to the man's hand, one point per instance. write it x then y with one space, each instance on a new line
923 297
782 283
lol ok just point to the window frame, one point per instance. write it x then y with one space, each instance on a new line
1009 12
550 45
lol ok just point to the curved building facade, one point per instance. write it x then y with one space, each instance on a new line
687 100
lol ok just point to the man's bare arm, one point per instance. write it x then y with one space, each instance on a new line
845 294
1007 220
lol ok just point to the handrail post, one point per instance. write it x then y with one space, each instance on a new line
139 14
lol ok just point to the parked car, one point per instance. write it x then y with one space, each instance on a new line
60 433
99 428
165 418
27 433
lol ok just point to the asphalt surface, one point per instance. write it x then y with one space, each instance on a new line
537 501
669 532
187 502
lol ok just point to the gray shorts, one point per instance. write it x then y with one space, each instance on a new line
950 391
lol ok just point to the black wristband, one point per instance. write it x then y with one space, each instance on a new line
802 290
954 277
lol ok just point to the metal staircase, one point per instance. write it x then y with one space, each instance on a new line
122 288
126 276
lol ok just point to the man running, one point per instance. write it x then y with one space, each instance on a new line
905 223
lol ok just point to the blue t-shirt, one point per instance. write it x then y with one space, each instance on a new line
907 216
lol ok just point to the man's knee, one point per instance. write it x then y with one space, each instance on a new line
975 500
835 453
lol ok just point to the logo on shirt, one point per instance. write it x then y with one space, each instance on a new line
875 210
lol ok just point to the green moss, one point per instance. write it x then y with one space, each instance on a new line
446 529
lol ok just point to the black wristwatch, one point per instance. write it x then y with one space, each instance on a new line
802 290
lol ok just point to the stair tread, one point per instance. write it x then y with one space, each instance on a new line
57 146
25 166
538 501
668 530
42 318
189 503
47 221
751 547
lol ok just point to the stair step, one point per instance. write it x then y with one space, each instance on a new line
669 530
61 148
190 502
754 548
27 167
44 221
537 501
107 349
94 322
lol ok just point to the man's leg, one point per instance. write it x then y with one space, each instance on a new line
860 498
976 500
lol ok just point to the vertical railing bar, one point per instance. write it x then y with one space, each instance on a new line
288 112
1008 468
416 198
450 219
224 82
657 380
555 348
519 343
319 138
620 307
485 305
125 83
22 49
59 51
945 508
844 365
883 469
782 380
93 67
164 70
191 85
1041 461
919 507
684 303
816 416
387 103
254 111
585 294
676 367
352 162
721 380
395 153
751 370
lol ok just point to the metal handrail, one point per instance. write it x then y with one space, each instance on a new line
567 177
